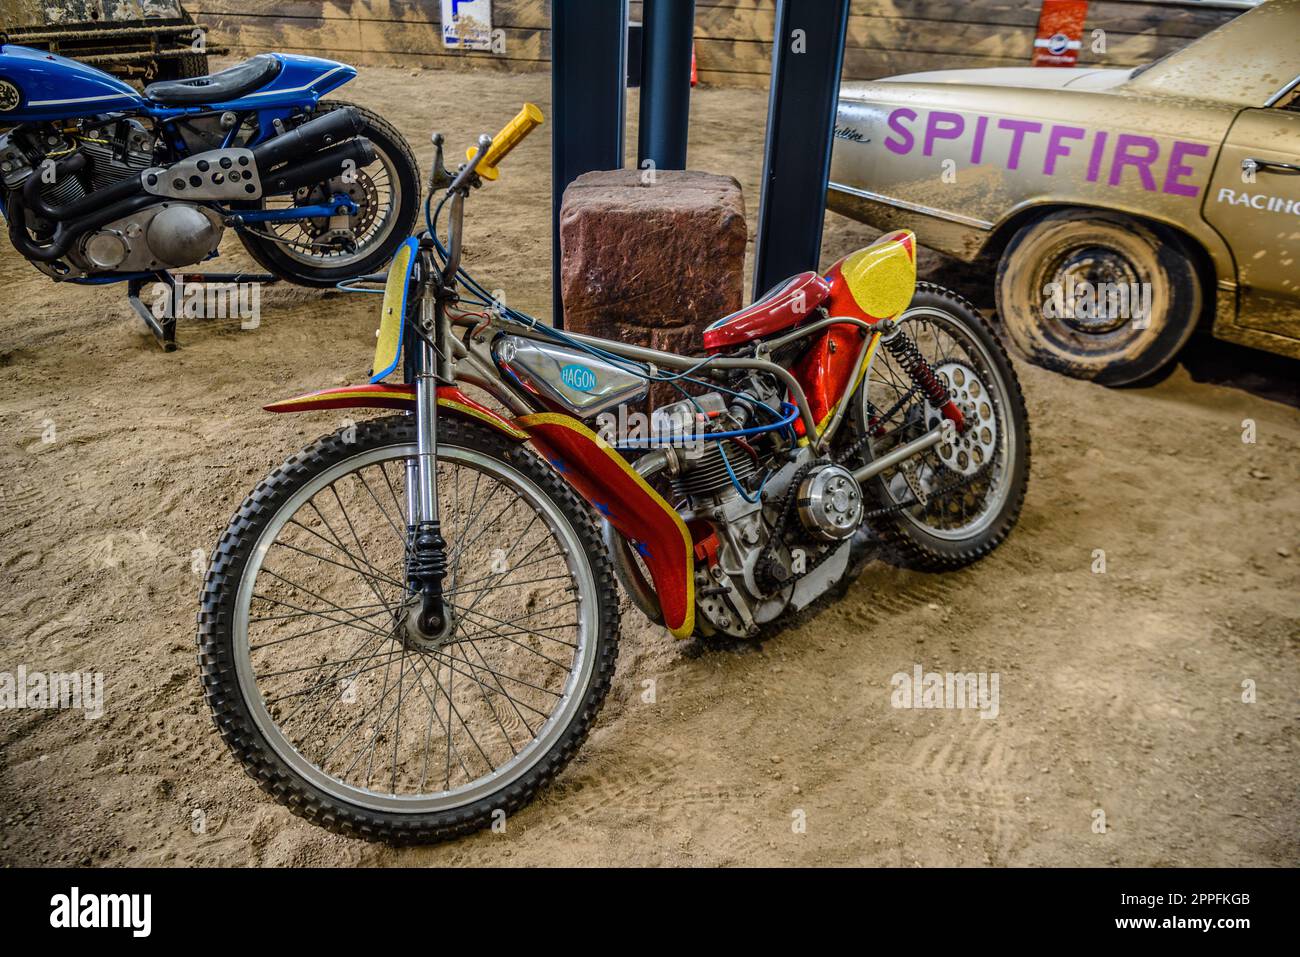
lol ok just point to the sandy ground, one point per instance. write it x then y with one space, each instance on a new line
1121 692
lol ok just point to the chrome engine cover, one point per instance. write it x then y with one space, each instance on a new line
166 236
830 503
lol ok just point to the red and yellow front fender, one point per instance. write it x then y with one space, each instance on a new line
624 499
586 461
383 395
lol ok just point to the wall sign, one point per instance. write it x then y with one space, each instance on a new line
1060 32
467 24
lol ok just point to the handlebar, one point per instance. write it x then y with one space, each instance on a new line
499 146
467 171
482 163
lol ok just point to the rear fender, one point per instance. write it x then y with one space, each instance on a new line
614 489
383 395
876 282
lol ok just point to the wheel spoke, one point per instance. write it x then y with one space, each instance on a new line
358 696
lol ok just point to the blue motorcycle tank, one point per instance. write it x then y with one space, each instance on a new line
36 85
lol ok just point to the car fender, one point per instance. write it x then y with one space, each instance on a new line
1195 230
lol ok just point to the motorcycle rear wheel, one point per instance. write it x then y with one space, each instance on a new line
342 713
974 510
388 192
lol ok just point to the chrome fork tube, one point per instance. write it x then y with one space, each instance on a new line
426 437
426 564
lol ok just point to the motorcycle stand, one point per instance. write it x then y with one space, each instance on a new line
164 327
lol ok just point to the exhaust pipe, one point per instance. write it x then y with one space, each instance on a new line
87 205
126 196
312 136
334 127
326 165
67 232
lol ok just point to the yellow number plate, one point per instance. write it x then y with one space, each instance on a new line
388 344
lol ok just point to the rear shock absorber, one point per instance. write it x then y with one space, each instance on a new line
900 345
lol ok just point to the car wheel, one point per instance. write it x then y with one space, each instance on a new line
1098 296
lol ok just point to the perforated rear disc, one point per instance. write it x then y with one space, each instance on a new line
967 452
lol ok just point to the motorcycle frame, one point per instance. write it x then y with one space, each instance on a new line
437 357
473 363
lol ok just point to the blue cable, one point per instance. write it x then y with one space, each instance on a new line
787 419
346 286
782 420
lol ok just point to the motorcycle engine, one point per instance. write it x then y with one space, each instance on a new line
769 535
113 151
164 236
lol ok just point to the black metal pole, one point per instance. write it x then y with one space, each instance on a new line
807 56
588 77
668 26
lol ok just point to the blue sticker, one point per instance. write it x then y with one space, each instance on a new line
578 377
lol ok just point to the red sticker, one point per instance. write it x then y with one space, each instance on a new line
1060 32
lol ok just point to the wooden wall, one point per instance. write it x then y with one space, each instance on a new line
375 32
733 37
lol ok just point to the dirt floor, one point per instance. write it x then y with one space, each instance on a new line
1121 692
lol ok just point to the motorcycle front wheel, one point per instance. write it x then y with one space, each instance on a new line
344 711
387 194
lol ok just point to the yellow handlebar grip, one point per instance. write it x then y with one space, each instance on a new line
510 136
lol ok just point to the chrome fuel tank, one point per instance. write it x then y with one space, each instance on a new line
568 379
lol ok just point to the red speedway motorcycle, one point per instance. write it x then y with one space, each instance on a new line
410 626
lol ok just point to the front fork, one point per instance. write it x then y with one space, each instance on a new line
426 556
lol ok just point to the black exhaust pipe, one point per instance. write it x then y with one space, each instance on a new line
314 135
334 127
67 232
127 196
319 168
97 200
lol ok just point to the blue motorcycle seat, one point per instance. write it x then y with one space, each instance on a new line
229 84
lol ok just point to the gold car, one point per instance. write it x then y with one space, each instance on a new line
1122 206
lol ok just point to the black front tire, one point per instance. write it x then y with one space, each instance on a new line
217 651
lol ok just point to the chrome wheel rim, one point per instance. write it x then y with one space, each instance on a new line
378 216
493 671
1097 266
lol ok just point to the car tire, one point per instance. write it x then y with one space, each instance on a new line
1112 346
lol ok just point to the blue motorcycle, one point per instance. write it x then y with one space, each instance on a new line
101 183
